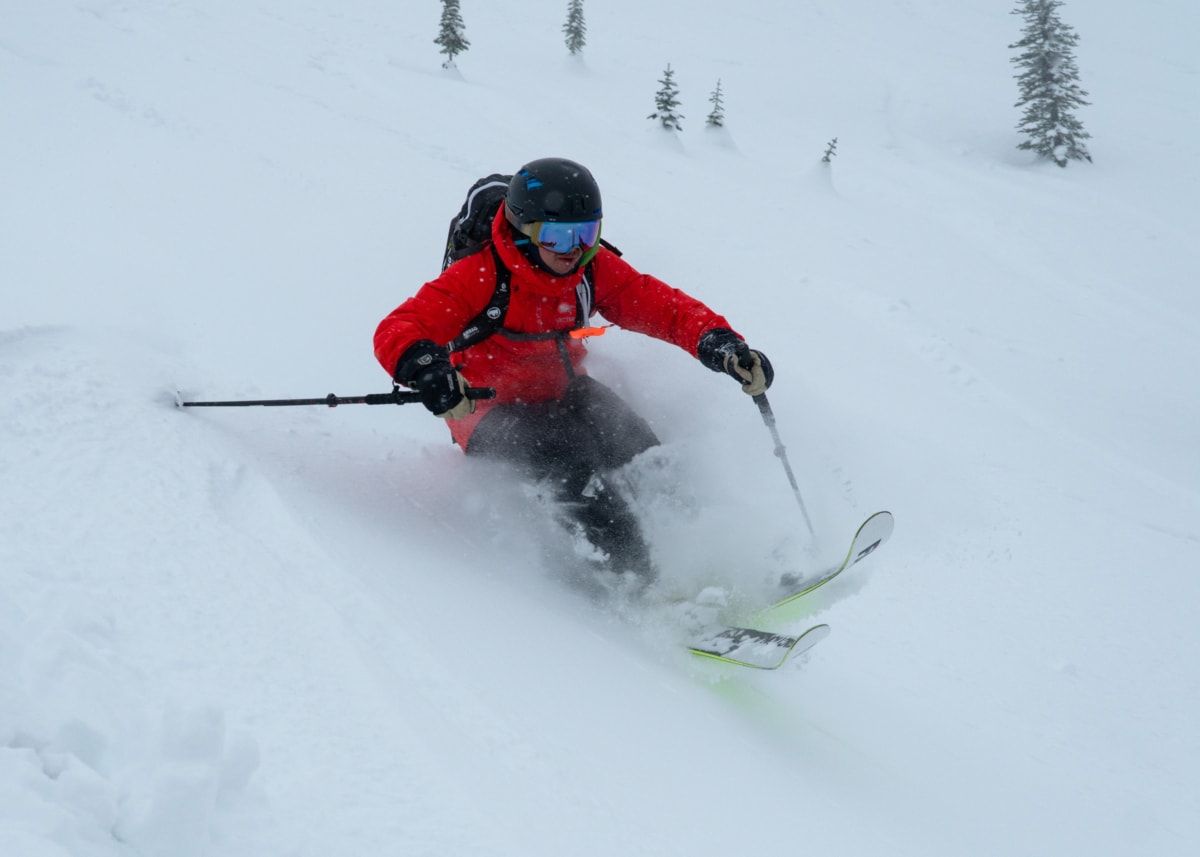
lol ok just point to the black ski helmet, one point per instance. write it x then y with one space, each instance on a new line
553 189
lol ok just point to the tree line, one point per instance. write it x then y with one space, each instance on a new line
1048 80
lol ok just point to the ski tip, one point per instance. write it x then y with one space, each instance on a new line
812 636
877 527
883 515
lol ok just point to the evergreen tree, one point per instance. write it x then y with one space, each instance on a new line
667 102
1049 84
450 36
716 116
575 29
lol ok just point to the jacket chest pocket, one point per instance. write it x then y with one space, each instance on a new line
543 314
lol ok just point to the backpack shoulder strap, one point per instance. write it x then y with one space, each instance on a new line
585 296
491 317
585 292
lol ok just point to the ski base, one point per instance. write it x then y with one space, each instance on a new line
750 647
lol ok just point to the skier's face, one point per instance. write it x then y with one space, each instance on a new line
561 263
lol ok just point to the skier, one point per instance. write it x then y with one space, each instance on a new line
550 418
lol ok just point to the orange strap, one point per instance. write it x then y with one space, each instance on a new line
585 332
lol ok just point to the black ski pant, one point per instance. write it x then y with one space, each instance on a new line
572 443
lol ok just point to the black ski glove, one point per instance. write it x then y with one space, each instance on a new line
425 368
721 350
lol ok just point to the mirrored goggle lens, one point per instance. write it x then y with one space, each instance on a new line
563 237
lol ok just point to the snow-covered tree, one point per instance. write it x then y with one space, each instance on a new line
575 29
1049 84
716 116
666 102
450 35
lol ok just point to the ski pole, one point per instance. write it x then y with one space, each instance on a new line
396 397
768 415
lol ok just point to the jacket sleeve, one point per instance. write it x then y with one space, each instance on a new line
645 304
439 310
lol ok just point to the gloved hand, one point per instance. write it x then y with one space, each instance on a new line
721 350
425 368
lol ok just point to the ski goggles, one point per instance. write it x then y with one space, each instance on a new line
559 237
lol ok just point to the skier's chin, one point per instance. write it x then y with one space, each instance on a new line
561 263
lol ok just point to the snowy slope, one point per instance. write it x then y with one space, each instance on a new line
311 631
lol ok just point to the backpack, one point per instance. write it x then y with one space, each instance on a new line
471 229
470 232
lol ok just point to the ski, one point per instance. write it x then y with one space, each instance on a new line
750 647
769 650
872 533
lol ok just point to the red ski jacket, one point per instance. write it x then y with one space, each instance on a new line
525 370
